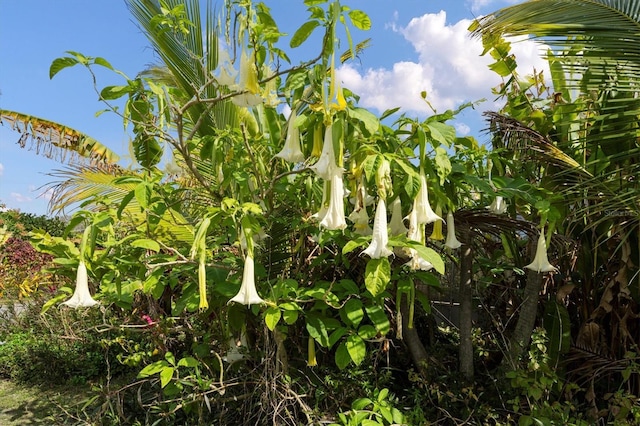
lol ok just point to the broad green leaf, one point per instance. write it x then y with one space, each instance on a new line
59 64
147 244
165 376
370 121
143 194
317 329
367 332
113 92
379 318
361 403
337 335
152 369
271 317
290 317
430 255
303 33
353 312
356 348
360 20
342 356
377 275
188 361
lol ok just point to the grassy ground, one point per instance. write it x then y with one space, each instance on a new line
23 405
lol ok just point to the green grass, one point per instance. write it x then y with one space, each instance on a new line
29 405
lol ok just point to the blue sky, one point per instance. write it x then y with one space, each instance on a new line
419 41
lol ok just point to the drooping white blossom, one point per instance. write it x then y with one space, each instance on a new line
423 208
541 261
498 206
326 165
248 83
380 237
81 295
334 218
396 224
292 151
360 219
248 295
451 241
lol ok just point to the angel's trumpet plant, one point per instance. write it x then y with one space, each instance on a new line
396 224
541 261
292 151
423 208
498 206
380 238
436 234
248 295
81 296
311 356
326 165
334 218
451 241
360 219
248 84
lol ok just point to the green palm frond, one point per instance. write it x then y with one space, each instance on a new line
56 141
78 184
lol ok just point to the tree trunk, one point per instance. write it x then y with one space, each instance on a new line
412 340
466 310
527 319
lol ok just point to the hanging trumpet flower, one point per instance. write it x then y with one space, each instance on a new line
199 249
424 211
326 165
396 224
451 242
81 296
334 218
437 227
292 151
541 261
248 83
248 294
378 246
498 206
311 355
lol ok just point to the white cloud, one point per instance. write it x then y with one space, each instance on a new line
1 169
462 129
19 198
448 67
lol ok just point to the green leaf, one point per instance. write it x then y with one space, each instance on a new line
342 356
379 318
367 332
353 312
165 376
113 92
370 121
59 64
356 348
303 33
152 369
337 335
146 244
430 255
271 317
354 244
290 317
143 194
360 20
188 361
317 329
377 275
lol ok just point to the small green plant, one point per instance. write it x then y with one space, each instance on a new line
378 410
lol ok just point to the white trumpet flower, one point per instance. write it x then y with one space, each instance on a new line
248 295
424 211
292 151
498 206
81 296
396 224
378 246
326 165
417 263
334 217
360 219
451 241
541 261
248 83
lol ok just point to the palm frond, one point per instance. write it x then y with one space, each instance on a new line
57 141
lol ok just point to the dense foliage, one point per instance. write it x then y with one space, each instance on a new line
467 285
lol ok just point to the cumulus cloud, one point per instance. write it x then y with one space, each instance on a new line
19 198
448 67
